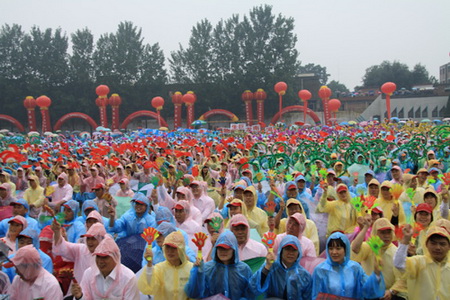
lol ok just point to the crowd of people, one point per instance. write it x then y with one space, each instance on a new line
312 213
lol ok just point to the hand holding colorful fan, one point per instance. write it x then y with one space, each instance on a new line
376 244
396 190
215 223
269 240
357 203
199 241
149 235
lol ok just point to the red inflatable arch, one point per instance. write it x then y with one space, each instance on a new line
142 113
78 115
12 120
224 112
293 108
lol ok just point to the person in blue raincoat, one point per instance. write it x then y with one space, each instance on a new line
20 208
224 274
29 236
74 229
284 278
87 207
135 220
291 191
340 276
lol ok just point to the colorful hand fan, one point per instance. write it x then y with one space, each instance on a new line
270 208
376 244
357 203
411 193
258 177
445 178
49 190
289 177
369 202
149 235
60 217
396 190
269 240
199 241
323 173
215 223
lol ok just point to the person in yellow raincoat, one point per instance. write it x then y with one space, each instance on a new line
341 214
387 202
362 253
255 213
167 279
293 206
428 275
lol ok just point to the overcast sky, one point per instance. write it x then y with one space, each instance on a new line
346 36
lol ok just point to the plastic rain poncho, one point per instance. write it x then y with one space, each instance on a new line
214 277
164 280
347 279
293 283
32 223
46 260
256 214
130 223
28 261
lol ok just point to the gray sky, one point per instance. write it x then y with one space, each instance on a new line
346 36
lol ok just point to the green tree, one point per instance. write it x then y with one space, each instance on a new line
81 62
396 72
318 70
11 56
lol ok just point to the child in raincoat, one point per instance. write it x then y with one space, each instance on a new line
340 276
167 279
284 278
224 274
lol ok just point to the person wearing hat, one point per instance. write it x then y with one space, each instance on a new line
222 177
120 174
340 170
362 188
90 182
133 221
330 181
21 180
445 159
391 208
103 199
20 208
34 282
434 173
363 254
5 194
295 226
167 279
397 175
164 229
225 274
34 196
29 237
107 278
247 247
406 161
422 178
125 190
381 168
201 200
438 201
255 213
237 206
86 209
15 226
341 214
427 276
184 221
63 192
340 276
6 178
79 253
284 277
295 206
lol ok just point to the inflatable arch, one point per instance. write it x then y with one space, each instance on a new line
293 108
78 115
224 112
12 120
142 113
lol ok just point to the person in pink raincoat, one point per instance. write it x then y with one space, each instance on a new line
201 200
184 221
63 192
92 181
107 278
124 190
32 281
247 247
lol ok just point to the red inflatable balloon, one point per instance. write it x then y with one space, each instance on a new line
280 88
334 104
324 92
247 95
115 100
176 98
388 88
43 101
260 94
102 90
188 99
158 102
29 102
101 101
305 95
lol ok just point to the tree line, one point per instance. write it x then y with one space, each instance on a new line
218 64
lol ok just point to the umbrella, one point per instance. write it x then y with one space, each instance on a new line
96 133
164 129
352 123
85 134
425 121
198 123
33 133
395 119
48 133
363 123
437 122
4 131
446 119
132 250
343 123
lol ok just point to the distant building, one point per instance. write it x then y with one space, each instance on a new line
444 74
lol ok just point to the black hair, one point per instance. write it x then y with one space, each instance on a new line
415 216
435 237
336 243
